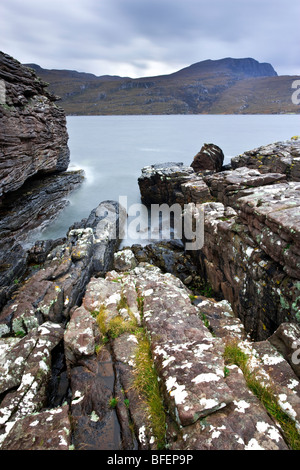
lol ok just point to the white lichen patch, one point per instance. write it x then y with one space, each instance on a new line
94 417
293 383
77 398
272 360
253 445
266 429
286 406
142 435
133 339
241 406
210 403
216 432
177 391
208 377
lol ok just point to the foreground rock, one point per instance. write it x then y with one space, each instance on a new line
65 267
33 371
213 409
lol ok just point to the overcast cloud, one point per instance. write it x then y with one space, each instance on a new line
149 37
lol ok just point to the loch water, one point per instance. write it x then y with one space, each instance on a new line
112 150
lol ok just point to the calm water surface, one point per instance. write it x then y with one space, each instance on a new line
112 150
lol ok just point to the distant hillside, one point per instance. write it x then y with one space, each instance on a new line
225 86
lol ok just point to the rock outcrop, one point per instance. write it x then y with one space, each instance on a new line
279 157
250 253
32 327
33 136
34 155
172 183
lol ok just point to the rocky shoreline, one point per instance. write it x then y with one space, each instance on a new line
151 347
71 334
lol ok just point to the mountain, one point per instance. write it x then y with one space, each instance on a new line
225 86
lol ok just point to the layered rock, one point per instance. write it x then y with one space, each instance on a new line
32 327
250 252
280 157
171 183
33 135
34 155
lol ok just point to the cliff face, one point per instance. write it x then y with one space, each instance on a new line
34 155
33 135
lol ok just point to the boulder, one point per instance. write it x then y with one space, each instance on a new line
210 157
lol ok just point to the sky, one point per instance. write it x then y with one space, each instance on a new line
138 38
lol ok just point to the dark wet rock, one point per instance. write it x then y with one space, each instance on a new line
95 421
34 206
13 265
171 257
210 157
34 157
33 136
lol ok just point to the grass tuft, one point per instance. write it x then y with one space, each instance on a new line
146 383
234 355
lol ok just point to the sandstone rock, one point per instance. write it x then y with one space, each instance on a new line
286 340
47 430
259 290
221 319
228 186
81 336
210 157
161 183
279 157
272 216
244 425
25 372
33 136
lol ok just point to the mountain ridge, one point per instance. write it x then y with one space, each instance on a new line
223 86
